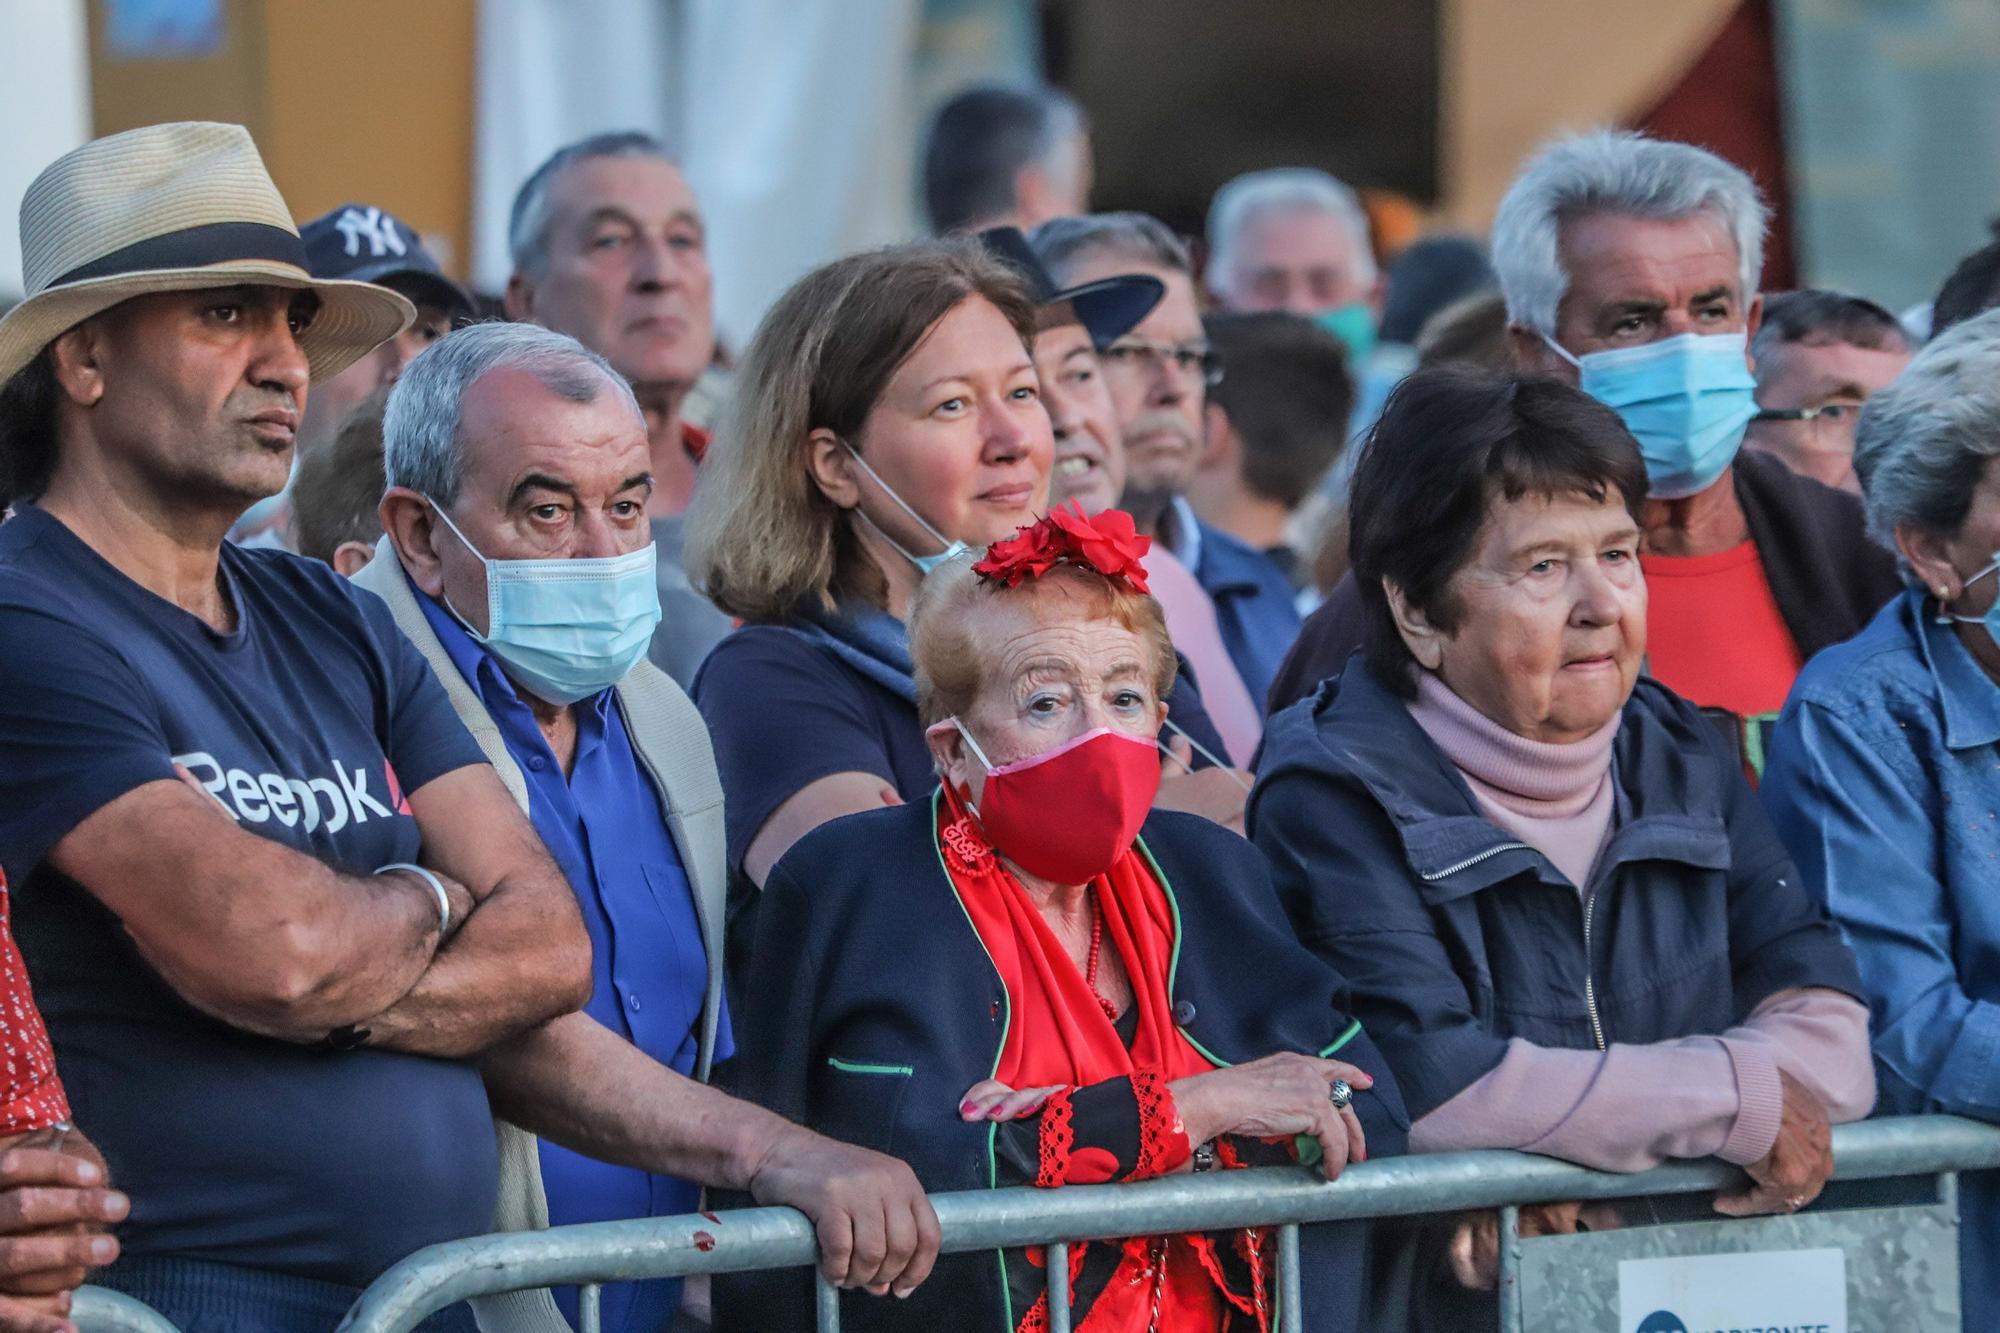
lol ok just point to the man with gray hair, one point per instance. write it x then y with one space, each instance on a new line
1159 374
517 557
999 156
1296 239
609 246
1630 268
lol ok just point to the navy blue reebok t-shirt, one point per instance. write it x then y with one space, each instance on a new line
309 722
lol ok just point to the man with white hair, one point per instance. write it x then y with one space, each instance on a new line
1630 268
518 558
609 246
1296 239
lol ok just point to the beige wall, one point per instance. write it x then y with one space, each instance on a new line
1515 71
367 100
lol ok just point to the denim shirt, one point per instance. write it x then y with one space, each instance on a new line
604 826
1884 781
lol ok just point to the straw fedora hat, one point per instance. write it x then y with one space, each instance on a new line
174 208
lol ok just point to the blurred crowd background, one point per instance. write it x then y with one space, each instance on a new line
1871 125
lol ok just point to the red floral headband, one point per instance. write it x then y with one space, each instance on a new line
1109 544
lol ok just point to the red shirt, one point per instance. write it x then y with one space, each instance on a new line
1713 632
31 1096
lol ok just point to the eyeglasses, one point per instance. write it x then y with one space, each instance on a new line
1190 359
1832 414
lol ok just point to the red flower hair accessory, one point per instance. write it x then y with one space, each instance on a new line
1109 544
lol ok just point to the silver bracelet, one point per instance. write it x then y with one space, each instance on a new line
444 899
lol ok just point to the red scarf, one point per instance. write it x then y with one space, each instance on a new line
1058 1033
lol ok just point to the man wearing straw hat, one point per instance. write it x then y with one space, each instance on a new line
271 896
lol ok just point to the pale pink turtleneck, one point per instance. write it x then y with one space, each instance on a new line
1556 798
1629 1107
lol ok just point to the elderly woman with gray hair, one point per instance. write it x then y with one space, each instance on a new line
1886 761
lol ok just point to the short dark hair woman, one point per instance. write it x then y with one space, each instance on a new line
1035 977
1566 920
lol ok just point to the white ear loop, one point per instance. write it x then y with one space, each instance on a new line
1201 750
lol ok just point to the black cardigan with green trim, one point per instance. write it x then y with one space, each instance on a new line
870 1007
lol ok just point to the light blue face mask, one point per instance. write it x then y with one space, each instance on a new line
1354 325
566 629
1686 398
924 563
1990 622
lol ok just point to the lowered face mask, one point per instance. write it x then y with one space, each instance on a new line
924 563
1687 399
566 629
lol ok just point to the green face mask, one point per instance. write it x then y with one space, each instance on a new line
1354 325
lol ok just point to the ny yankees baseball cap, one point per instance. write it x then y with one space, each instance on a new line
363 243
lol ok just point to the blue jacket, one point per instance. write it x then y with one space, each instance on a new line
871 1007
1457 937
1883 779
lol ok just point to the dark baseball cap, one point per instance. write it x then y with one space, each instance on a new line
363 243
1108 308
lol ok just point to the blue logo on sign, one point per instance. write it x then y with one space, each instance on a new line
1661 1321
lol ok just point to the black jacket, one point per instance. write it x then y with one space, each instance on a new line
1456 936
871 1007
1827 576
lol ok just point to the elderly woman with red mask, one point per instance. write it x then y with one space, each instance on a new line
1036 977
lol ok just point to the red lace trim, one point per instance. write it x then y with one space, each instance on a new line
1058 1137
1163 1140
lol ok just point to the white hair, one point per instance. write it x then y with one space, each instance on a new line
1613 171
1283 190
420 445
1922 444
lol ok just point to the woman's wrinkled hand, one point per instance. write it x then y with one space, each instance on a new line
1475 1244
990 1099
1792 1174
1277 1097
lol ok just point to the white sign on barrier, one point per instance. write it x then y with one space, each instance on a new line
1779 1291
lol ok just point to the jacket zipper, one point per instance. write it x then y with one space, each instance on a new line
1589 910
1589 985
1470 861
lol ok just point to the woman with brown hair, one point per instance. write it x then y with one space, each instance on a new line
888 414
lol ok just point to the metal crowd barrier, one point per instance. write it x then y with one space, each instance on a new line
767 1238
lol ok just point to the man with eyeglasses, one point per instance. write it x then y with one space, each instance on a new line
1159 374
1818 357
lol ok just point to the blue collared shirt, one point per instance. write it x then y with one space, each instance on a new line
1254 604
607 832
1884 781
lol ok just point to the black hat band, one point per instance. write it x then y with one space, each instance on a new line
195 247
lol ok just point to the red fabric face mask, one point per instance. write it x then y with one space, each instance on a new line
1068 814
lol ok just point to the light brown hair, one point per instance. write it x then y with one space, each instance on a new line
763 540
338 491
952 663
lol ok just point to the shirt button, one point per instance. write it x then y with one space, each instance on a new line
1184 1013
537 763
632 1002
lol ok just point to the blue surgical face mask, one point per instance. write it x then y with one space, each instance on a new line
1354 325
566 629
1990 622
1686 398
924 563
